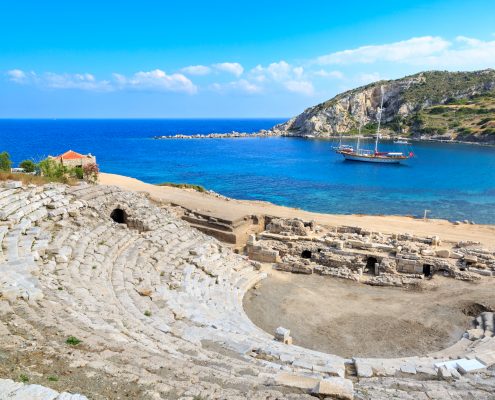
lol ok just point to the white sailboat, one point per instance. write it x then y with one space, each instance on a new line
374 156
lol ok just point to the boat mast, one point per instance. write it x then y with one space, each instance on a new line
379 122
359 136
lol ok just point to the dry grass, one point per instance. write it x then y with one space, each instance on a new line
28 179
198 188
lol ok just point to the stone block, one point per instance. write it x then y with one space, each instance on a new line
408 369
287 358
282 334
331 368
455 374
444 373
487 359
298 381
336 387
466 366
426 370
475 334
469 259
443 253
363 370
355 244
302 364
435 240
13 184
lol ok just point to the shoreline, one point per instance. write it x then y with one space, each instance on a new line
224 208
265 133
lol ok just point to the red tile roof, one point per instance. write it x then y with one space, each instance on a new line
71 155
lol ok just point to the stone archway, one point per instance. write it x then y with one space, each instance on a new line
306 254
370 264
119 216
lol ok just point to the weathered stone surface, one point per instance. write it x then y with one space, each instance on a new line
155 300
339 388
13 184
470 259
443 253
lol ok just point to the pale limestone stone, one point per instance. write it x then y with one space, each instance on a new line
339 388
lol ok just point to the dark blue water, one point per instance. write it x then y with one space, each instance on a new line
454 181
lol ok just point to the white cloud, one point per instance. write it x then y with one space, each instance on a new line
151 80
17 76
73 81
403 51
356 66
196 70
329 74
465 53
232 68
278 71
303 87
242 85
157 80
423 52
285 75
59 81
365 78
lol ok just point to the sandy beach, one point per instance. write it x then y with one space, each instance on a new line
232 209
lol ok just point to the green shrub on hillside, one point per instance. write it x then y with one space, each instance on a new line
28 165
198 188
78 172
53 169
5 162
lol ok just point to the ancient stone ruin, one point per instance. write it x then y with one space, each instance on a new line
125 294
374 258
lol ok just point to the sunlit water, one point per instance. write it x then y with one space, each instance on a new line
454 181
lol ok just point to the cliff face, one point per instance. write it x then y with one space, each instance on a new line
403 100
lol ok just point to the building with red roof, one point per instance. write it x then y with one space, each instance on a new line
74 159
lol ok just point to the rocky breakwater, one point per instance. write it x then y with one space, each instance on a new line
228 135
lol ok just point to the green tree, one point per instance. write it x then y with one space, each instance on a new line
28 165
5 162
78 171
52 169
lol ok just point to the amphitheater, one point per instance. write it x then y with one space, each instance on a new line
106 295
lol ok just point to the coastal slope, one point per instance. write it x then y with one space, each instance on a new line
450 105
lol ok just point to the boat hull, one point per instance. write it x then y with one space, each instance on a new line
373 159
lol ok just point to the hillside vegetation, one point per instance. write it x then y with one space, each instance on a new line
466 119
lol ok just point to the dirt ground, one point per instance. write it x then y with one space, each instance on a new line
352 319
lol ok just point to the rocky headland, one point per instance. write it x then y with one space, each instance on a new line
436 104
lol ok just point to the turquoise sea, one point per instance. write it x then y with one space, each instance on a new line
454 181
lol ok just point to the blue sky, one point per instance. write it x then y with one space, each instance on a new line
160 59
